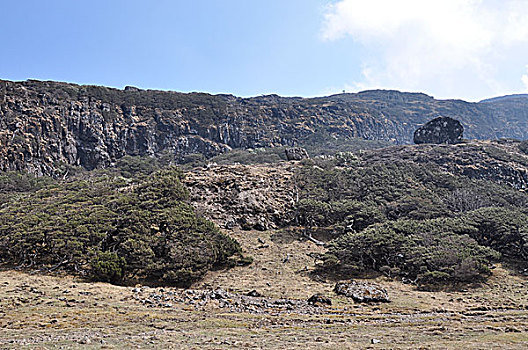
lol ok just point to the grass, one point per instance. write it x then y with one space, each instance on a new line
35 315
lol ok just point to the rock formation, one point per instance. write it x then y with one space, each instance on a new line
296 153
45 126
257 197
440 130
362 292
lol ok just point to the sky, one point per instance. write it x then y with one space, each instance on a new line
467 49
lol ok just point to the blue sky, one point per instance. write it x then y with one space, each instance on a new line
453 48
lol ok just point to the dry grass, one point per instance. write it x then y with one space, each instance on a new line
47 312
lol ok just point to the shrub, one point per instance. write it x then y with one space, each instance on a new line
131 166
428 252
12 181
505 230
107 267
391 189
113 229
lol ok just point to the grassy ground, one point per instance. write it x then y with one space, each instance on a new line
42 312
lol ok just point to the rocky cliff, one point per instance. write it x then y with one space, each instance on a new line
45 125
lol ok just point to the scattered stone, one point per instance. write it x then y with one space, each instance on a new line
252 302
296 153
253 293
85 340
440 130
219 294
362 292
319 299
512 330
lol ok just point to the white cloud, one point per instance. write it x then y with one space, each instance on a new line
448 48
524 80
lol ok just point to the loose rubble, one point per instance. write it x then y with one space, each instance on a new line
233 302
259 197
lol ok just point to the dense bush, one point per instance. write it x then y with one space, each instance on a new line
251 156
346 214
13 181
411 220
323 142
112 229
505 230
394 189
130 166
426 252
443 250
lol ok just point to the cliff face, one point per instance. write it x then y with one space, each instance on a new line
46 124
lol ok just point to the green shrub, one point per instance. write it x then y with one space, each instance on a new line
391 189
505 230
113 229
427 252
251 156
107 267
13 181
131 166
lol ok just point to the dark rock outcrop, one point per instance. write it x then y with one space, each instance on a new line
440 130
362 292
296 153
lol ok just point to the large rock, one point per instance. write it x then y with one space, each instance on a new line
296 153
440 130
362 292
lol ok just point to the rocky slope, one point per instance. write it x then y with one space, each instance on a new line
258 197
44 125
265 196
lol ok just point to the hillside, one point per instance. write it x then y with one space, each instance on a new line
47 126
390 198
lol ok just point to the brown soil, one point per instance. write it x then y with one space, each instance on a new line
45 312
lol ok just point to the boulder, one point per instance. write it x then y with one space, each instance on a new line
319 299
296 153
440 130
362 292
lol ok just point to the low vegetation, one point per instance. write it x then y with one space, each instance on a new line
319 143
114 228
410 220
